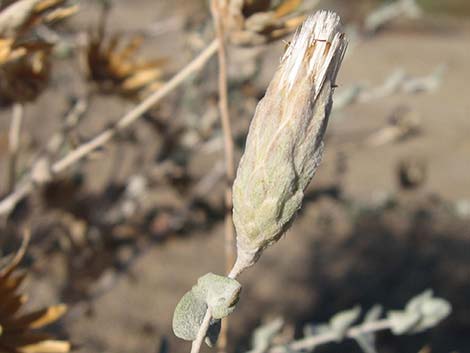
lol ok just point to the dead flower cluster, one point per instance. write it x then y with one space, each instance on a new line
255 22
19 331
112 64
24 57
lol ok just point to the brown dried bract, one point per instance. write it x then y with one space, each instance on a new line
8 52
25 59
20 16
255 22
113 65
19 331
24 74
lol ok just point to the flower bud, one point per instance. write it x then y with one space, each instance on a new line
285 140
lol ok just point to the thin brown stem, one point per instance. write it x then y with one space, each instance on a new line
7 204
14 144
217 9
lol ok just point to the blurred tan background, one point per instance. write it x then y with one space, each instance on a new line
122 235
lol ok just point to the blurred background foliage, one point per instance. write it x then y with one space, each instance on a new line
121 235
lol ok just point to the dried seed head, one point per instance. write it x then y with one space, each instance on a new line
19 329
255 22
285 139
24 77
25 58
113 65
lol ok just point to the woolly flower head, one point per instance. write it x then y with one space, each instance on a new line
285 140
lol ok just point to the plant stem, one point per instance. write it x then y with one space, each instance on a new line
196 345
217 8
228 138
14 144
9 202
309 343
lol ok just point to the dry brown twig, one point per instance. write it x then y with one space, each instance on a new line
218 8
14 144
35 7
25 62
70 122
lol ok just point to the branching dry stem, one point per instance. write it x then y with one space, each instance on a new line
137 111
9 202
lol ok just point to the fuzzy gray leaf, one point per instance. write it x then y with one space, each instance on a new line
402 322
433 311
342 321
263 335
367 340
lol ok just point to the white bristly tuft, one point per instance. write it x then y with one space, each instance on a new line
315 47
